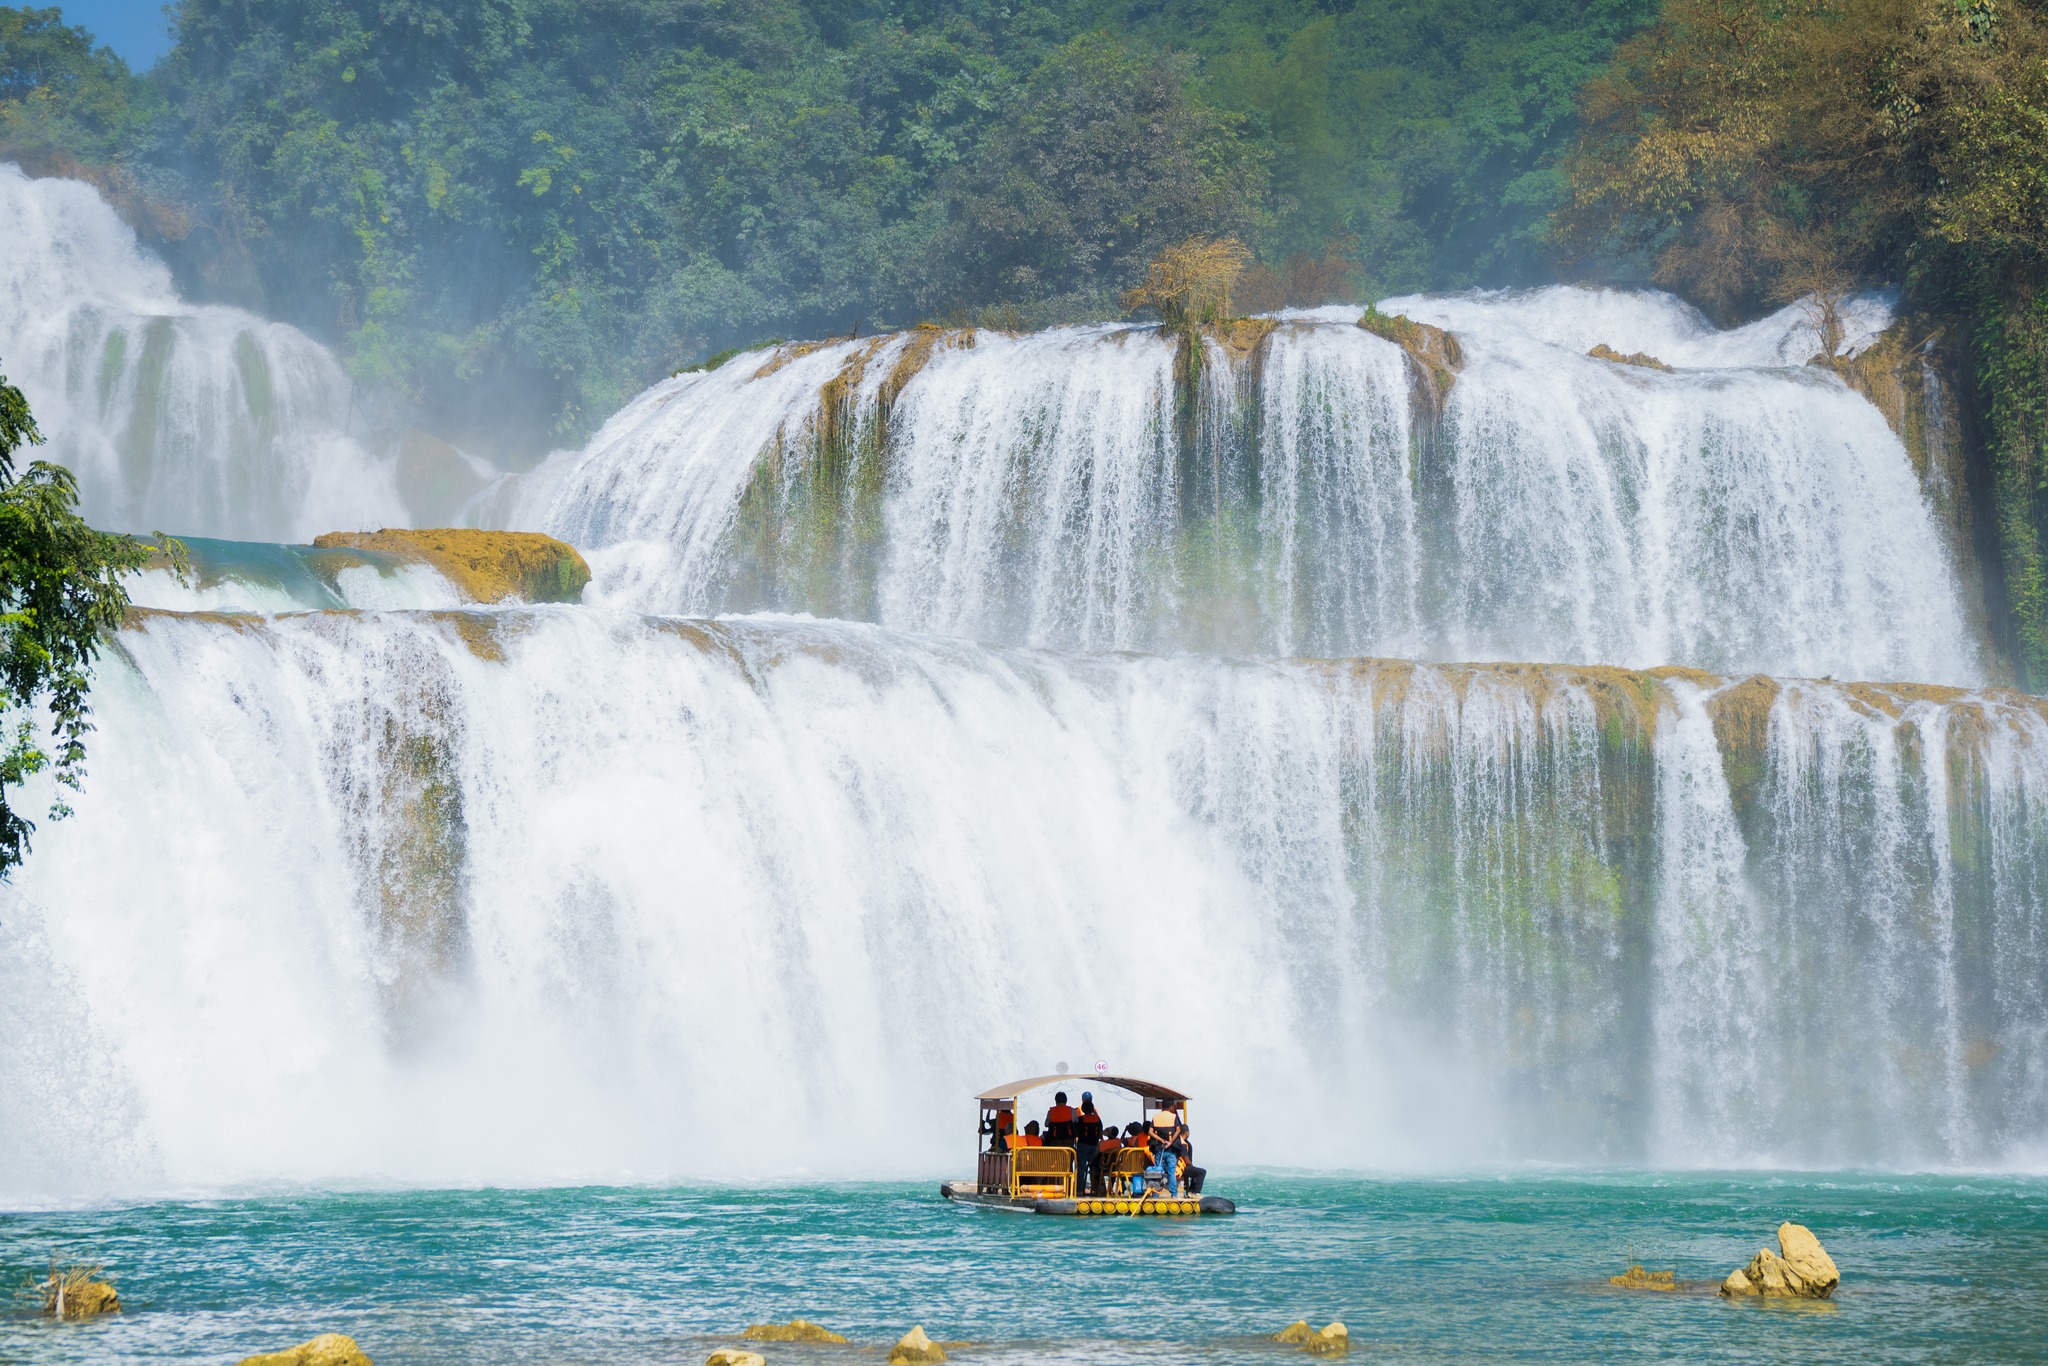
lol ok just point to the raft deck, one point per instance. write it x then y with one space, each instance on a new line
1090 1206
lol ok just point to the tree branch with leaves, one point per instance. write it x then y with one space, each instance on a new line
60 594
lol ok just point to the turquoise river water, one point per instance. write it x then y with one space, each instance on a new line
1479 1268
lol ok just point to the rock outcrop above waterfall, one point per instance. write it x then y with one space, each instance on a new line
329 1349
796 1330
1433 353
490 566
915 1349
1799 1269
1642 360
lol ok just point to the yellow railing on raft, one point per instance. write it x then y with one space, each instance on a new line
1041 1173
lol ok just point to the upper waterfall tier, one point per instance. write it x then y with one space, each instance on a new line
552 894
189 418
1299 486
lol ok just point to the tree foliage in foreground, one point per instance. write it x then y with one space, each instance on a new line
60 593
1755 150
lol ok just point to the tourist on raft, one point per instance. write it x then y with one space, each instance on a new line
1059 1122
1088 1146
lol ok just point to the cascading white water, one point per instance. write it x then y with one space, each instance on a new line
187 418
1744 511
574 893
560 894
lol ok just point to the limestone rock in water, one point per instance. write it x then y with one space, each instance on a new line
1800 1268
796 1330
329 1349
490 566
1635 1278
1642 360
915 1348
1333 1340
78 1294
733 1356
1295 1333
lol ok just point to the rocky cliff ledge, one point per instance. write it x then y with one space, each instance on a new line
490 566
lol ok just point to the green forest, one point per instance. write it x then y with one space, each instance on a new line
510 215
527 209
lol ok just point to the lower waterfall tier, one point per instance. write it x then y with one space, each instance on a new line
555 894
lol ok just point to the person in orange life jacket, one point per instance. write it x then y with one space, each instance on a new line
999 1126
1029 1138
1059 1122
1088 1146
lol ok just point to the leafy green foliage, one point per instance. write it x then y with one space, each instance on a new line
1758 150
512 214
57 91
60 591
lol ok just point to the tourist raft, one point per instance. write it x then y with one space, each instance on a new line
1043 1180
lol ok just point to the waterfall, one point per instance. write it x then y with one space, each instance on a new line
553 894
1292 488
184 417
953 702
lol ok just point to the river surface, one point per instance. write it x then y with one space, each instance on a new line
1481 1268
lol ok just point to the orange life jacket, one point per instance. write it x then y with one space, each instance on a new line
1060 1114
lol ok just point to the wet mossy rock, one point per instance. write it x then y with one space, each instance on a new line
490 566
1635 1278
1642 360
915 1349
329 1349
1799 1269
1433 353
796 1330
1333 1339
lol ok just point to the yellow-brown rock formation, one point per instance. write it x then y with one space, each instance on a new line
490 566
329 1349
915 1349
1800 1268
796 1330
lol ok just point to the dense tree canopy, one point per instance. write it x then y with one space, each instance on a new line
1758 150
511 214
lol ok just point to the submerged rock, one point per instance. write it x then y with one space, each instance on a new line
1800 1268
1635 1278
489 566
329 1349
733 1356
915 1348
1328 1341
1333 1340
796 1330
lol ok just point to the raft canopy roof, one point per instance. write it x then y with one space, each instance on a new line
1144 1090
